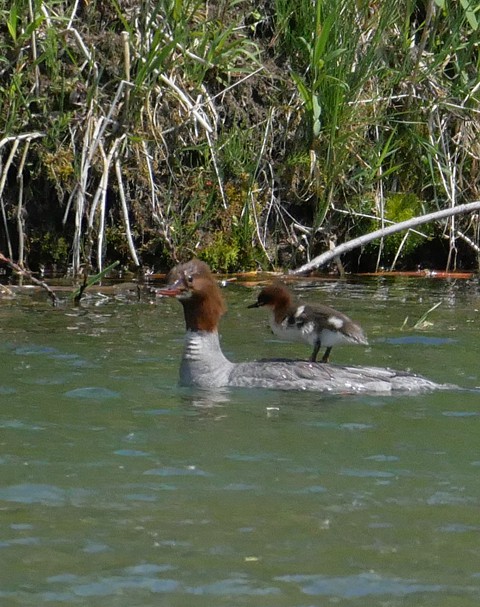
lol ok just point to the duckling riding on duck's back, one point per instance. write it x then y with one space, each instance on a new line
319 326
205 366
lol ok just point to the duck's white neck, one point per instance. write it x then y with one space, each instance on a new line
203 363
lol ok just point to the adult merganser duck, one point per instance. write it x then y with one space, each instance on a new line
205 366
319 326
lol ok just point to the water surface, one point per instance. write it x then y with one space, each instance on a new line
120 489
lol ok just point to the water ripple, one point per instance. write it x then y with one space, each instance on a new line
49 495
92 392
34 350
144 577
419 339
15 424
171 471
366 473
355 586
131 453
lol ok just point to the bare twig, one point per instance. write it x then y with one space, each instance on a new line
352 213
22 272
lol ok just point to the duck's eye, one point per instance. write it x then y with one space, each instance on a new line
189 278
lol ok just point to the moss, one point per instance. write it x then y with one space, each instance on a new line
398 208
59 166
50 248
222 254
402 207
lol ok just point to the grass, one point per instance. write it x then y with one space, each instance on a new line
153 131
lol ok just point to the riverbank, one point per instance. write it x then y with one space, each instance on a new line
251 136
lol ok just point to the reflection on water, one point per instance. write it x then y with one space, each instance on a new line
118 488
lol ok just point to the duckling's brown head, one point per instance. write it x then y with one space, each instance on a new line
275 295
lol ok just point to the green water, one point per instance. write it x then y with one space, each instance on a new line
119 489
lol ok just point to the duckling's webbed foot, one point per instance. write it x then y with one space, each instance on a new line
326 355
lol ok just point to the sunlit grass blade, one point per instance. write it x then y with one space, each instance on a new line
77 294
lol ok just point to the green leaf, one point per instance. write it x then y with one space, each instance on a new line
470 14
304 92
126 25
93 279
13 22
33 26
422 322
321 36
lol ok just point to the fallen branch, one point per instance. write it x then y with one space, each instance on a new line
324 258
22 272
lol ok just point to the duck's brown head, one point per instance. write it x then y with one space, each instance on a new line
193 284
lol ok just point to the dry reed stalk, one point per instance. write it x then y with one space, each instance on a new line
191 107
21 137
73 14
126 55
447 166
380 201
157 212
20 209
3 176
33 45
3 179
399 251
80 191
250 190
100 197
217 171
469 241
93 136
83 47
126 220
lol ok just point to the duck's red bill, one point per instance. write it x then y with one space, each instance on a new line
172 291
